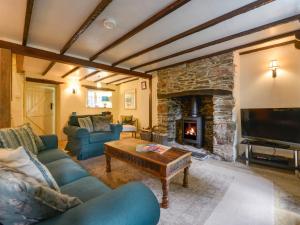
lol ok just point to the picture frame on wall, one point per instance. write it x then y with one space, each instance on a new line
130 99
144 85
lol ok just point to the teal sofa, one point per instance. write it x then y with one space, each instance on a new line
130 204
85 144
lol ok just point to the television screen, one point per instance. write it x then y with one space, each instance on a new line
282 124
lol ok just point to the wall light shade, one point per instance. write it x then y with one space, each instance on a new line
274 65
99 85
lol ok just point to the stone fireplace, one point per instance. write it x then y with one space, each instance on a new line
209 81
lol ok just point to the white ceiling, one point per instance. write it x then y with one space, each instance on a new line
53 22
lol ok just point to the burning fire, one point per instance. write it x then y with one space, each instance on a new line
191 131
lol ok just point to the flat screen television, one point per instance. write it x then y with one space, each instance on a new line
281 124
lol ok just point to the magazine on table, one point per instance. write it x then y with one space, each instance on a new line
152 148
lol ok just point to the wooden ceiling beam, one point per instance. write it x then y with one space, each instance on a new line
49 67
127 81
221 40
97 11
109 76
114 81
267 47
89 75
51 56
70 71
162 13
43 81
297 41
29 7
97 88
284 35
199 28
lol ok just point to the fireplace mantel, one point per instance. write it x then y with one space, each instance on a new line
195 93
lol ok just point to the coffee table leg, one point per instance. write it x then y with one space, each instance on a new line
185 177
108 166
165 189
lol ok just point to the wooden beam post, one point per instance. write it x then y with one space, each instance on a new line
150 103
5 87
297 41
20 63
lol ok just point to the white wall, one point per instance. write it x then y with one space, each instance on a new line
142 102
257 87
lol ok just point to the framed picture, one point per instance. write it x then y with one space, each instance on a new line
144 85
129 99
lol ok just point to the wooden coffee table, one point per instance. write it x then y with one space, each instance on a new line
164 166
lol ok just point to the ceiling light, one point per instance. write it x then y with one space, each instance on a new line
109 24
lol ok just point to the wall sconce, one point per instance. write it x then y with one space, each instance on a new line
99 85
74 86
274 66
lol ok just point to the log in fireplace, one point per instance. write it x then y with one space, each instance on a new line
192 132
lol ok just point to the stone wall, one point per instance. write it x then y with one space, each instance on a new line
215 73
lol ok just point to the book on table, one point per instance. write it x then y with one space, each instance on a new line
152 148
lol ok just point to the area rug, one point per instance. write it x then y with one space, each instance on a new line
214 193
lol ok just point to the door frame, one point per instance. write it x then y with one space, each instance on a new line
51 86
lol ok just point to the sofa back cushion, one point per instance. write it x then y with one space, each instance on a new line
73 120
27 163
86 122
101 123
20 136
25 201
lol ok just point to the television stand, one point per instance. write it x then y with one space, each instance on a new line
271 160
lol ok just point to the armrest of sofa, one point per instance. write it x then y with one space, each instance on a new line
76 132
50 141
131 204
116 128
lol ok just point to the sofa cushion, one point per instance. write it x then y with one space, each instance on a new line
101 123
85 188
26 201
86 123
51 155
66 171
26 162
128 128
16 137
100 137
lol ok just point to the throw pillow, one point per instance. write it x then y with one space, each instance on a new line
27 163
86 122
101 123
127 120
25 201
38 141
16 137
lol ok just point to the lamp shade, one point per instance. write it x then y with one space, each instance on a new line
273 64
105 99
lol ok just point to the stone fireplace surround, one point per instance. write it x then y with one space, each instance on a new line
211 80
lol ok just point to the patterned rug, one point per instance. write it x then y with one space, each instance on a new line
219 192
195 205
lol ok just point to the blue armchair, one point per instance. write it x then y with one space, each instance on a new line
85 144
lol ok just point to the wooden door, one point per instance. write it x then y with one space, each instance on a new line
40 108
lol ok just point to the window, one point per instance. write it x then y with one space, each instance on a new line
99 99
